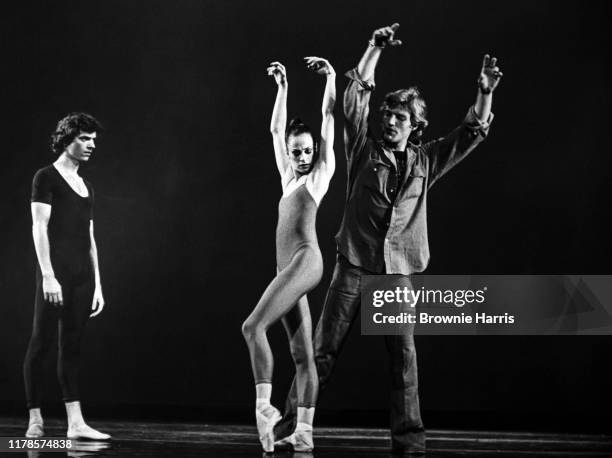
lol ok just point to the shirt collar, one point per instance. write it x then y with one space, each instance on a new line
410 145
388 154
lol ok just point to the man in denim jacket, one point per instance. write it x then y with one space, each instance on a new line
384 228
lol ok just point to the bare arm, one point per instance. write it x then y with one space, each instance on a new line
323 67
98 299
380 38
93 254
279 116
41 214
488 80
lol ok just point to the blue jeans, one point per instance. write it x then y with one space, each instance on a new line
341 308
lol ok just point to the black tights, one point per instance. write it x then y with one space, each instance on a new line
72 316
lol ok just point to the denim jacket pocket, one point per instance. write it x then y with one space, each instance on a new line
415 183
376 174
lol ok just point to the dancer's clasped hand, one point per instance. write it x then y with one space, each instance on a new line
386 36
278 71
319 65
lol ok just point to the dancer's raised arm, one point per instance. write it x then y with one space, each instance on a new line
279 116
359 90
444 153
489 78
380 39
323 67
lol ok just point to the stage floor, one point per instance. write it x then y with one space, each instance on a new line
211 440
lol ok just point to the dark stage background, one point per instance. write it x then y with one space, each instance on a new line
187 194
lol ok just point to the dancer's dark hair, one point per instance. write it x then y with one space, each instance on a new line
297 127
69 127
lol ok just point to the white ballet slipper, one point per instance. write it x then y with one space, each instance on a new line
35 430
301 440
85 432
266 419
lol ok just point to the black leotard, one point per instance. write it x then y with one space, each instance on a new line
68 228
69 244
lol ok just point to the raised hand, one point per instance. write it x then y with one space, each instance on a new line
386 36
277 70
489 75
319 65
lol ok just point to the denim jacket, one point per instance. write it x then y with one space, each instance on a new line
384 227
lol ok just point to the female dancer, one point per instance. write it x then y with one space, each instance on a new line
305 172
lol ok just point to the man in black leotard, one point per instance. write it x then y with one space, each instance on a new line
68 286
384 229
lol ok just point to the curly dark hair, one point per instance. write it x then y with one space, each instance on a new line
69 127
410 100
